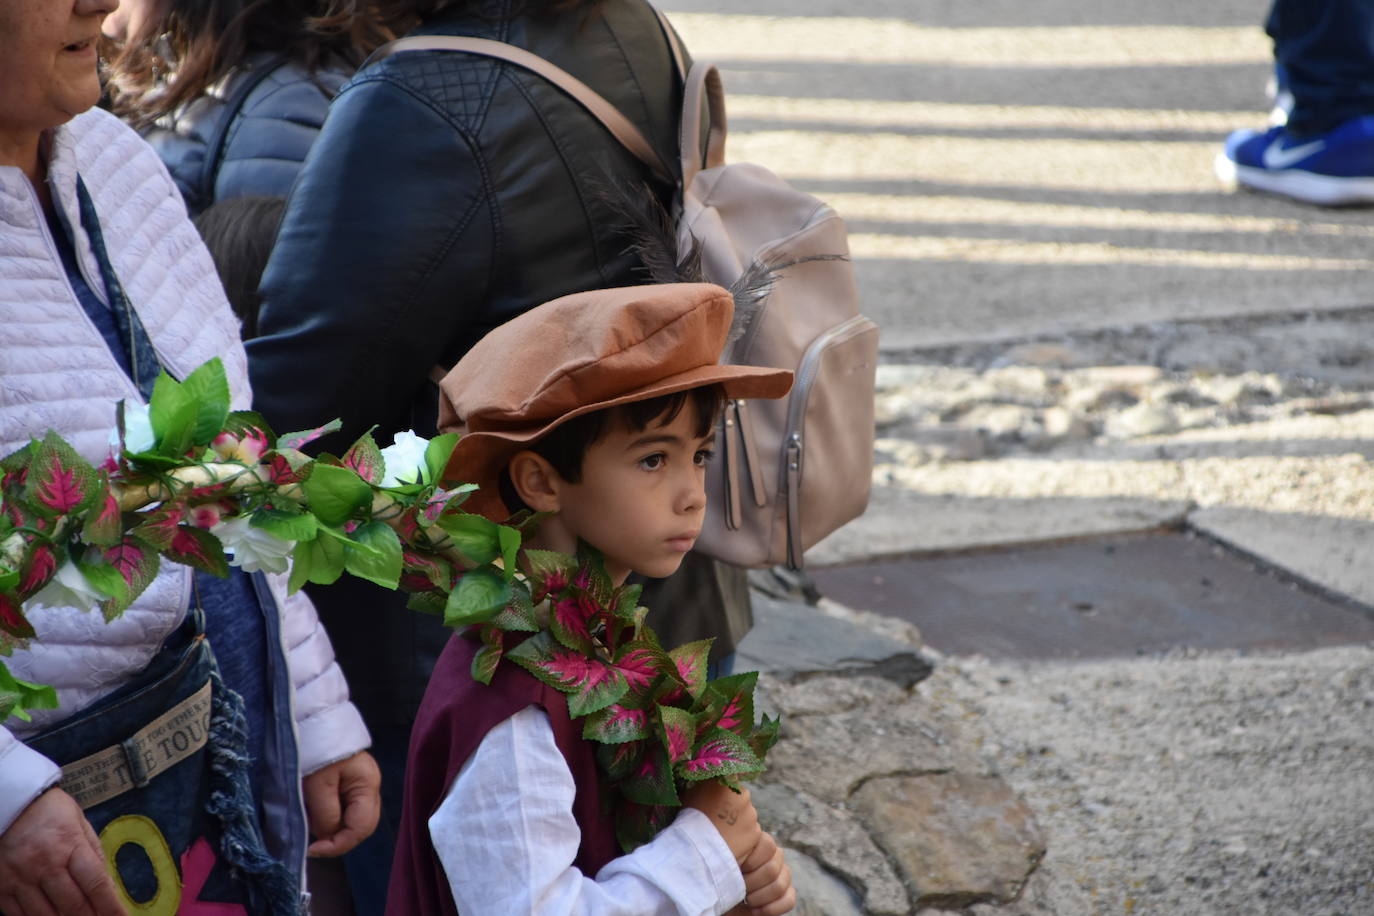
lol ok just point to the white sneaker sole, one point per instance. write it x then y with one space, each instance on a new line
1323 190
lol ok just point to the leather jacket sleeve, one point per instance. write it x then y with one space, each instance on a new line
375 267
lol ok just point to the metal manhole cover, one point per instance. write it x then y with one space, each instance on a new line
1103 597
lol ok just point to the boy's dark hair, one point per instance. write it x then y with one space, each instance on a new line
240 233
566 445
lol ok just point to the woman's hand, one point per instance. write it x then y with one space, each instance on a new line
51 863
343 803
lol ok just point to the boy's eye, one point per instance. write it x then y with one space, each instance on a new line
652 462
703 456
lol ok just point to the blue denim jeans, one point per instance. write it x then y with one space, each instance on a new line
1325 49
192 831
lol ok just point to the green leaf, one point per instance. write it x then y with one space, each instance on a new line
427 603
437 453
320 561
16 696
636 825
104 522
375 554
510 545
108 580
208 389
476 538
764 736
289 526
549 572
480 595
518 615
174 416
335 493
677 730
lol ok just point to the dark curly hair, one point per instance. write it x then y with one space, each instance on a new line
204 40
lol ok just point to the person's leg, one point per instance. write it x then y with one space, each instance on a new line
1325 50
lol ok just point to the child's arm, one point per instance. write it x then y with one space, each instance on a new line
506 836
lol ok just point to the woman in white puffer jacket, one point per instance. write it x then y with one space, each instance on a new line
88 217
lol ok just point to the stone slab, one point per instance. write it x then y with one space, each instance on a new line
902 522
958 839
793 638
1333 553
819 893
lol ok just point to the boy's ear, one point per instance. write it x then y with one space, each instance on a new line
535 480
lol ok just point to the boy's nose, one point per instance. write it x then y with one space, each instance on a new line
692 493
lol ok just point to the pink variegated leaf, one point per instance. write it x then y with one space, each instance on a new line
719 753
305 437
571 620
60 482
625 601
636 825
617 724
733 704
104 524
138 563
591 574
428 565
160 526
37 569
677 729
651 782
690 660
12 620
619 760
365 458
643 663
549 572
590 684
197 549
280 471
485 661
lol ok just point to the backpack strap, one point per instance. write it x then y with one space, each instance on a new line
610 117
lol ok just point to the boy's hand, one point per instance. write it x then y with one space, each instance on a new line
732 814
768 887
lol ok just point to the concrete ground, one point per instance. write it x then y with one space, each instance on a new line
1029 190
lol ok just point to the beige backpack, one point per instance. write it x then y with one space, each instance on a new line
787 473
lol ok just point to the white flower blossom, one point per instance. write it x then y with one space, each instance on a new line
69 588
138 429
405 459
251 548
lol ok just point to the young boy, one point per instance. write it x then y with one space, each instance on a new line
598 408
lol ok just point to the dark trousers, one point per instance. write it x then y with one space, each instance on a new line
1325 49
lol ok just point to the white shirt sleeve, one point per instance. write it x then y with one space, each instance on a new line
507 838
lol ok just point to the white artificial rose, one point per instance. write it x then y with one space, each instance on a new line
405 459
253 549
138 429
69 588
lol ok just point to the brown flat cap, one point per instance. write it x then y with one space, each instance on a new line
581 353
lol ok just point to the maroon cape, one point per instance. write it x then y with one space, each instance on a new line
454 717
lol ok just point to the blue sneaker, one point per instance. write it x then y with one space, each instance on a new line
1330 169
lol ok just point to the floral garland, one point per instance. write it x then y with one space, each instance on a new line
193 482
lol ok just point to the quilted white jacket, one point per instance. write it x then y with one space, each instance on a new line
57 372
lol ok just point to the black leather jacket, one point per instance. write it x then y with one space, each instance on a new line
446 194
